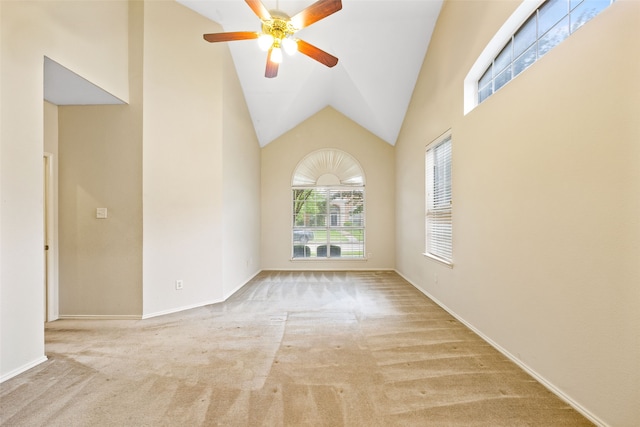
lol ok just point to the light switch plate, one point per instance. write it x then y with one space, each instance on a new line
101 213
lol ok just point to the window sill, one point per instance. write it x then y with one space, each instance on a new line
439 260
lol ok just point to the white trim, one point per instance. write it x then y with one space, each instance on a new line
330 269
439 139
198 305
521 14
333 258
178 309
438 260
99 317
23 368
542 380
52 292
242 285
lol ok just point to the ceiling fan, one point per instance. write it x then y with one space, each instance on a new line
278 30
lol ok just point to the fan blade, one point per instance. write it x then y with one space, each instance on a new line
227 37
317 11
259 9
315 53
272 67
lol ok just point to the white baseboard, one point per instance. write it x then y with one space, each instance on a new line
99 317
23 368
201 304
179 309
550 386
241 285
226 297
299 270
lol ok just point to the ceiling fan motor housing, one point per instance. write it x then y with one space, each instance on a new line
279 27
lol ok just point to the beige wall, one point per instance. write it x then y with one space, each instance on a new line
162 152
201 166
182 169
546 184
241 189
69 33
327 129
100 167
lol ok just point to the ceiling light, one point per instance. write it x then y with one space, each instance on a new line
290 46
276 55
265 41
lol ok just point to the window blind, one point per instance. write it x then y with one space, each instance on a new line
439 206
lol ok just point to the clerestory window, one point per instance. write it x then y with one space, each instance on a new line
532 31
328 207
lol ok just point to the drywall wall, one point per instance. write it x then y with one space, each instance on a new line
100 159
241 189
546 184
182 166
90 38
327 129
100 167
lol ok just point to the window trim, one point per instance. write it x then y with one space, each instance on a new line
445 137
493 48
329 169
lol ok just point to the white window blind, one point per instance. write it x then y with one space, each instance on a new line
328 222
439 206
328 207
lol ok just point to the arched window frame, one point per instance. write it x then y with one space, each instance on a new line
334 179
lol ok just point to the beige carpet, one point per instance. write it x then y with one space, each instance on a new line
289 349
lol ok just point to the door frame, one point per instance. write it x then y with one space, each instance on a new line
50 266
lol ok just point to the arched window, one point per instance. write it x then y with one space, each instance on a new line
328 207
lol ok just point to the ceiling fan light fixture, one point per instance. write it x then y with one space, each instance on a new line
265 41
290 46
278 31
276 55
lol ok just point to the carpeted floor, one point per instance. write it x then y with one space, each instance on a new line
289 349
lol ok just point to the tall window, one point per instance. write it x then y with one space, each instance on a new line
438 223
328 207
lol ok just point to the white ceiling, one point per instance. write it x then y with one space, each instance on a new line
380 45
64 87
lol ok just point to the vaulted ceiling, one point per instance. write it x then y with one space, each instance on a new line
380 45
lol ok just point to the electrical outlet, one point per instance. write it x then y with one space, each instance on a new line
179 284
